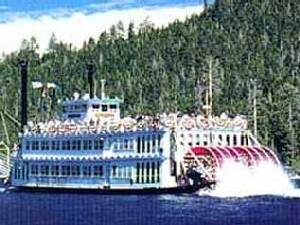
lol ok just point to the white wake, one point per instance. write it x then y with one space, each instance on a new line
235 179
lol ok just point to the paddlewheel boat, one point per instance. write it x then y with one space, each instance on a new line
90 147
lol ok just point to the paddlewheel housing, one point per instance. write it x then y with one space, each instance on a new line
209 159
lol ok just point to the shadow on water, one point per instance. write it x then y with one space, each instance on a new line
26 208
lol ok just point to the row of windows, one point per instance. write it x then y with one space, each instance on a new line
80 108
123 144
148 172
148 143
66 170
145 144
97 144
121 171
225 139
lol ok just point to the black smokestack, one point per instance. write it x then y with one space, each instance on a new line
90 71
24 103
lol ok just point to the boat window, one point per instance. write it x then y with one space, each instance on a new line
55 170
143 144
34 169
129 172
159 139
139 145
242 140
104 108
126 144
114 171
138 173
68 170
34 146
63 145
234 139
86 171
148 172
148 144
42 145
73 115
220 137
47 170
44 170
27 145
68 145
131 144
96 106
120 143
153 172
99 144
247 140
158 172
75 170
98 171
53 145
153 142
120 170
63 170
85 144
142 172
113 108
74 144
228 139
90 144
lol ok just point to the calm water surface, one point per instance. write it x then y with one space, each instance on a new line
88 209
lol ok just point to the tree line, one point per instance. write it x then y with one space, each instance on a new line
253 45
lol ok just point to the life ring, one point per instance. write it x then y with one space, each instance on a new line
205 124
128 123
92 129
221 122
72 128
61 129
199 120
238 122
188 123
170 120
114 125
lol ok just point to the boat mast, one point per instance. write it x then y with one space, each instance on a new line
24 101
254 110
209 92
103 88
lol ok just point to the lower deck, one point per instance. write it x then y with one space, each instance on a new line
88 174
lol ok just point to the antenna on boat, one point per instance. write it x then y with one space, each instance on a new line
103 88
24 101
209 93
254 110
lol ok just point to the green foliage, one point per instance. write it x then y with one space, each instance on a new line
162 70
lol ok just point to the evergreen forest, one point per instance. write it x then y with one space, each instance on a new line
251 47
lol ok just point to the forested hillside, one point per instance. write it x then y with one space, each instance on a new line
252 44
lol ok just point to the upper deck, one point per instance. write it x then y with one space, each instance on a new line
87 109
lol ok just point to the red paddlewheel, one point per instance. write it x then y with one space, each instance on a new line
212 158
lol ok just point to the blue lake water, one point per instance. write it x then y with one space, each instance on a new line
89 209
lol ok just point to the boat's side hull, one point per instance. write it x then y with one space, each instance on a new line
173 190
